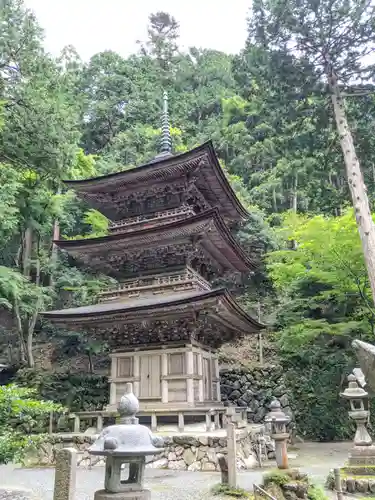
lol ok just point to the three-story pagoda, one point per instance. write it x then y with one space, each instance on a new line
169 238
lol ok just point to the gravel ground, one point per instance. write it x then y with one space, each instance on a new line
315 458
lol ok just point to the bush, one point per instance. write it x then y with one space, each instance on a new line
228 491
315 376
277 477
316 493
76 391
21 418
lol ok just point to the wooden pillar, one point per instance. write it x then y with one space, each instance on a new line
50 427
217 375
181 422
154 422
200 373
164 382
208 422
190 373
112 390
112 394
99 423
217 420
136 374
77 424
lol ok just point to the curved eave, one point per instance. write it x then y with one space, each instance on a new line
106 312
237 311
213 214
151 170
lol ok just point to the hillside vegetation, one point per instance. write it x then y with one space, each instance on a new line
269 111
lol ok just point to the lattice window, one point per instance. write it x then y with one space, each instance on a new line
176 364
124 367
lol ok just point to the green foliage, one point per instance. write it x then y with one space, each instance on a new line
315 375
277 477
21 417
267 111
228 491
322 283
316 493
76 391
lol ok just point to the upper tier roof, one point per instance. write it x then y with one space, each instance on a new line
114 252
200 163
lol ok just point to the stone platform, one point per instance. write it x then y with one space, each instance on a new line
192 450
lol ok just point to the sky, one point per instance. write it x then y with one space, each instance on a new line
92 26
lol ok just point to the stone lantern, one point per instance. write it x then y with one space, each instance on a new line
278 422
363 452
125 443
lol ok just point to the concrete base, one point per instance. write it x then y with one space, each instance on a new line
124 495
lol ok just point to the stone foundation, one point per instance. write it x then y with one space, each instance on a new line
183 452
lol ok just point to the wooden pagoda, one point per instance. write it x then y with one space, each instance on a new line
169 238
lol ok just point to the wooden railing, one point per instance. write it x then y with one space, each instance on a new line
131 224
154 284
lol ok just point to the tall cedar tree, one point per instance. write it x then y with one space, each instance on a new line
336 37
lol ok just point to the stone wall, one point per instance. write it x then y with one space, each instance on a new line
183 452
255 388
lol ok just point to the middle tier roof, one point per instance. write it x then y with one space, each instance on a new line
204 237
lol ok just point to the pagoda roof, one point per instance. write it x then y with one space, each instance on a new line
209 179
208 228
218 303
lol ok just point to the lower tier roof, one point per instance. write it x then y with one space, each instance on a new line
213 307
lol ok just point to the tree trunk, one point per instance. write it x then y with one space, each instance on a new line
358 191
34 317
274 199
30 336
294 194
19 328
55 236
27 249
91 362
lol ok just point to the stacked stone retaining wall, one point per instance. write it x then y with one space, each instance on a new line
182 452
255 388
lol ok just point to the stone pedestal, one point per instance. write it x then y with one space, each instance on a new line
362 455
124 495
281 450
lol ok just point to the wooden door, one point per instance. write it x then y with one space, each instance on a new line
207 379
150 383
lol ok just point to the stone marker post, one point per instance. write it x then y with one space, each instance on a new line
338 484
65 474
232 455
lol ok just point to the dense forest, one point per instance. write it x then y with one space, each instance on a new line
270 113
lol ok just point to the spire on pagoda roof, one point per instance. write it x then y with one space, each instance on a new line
166 138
